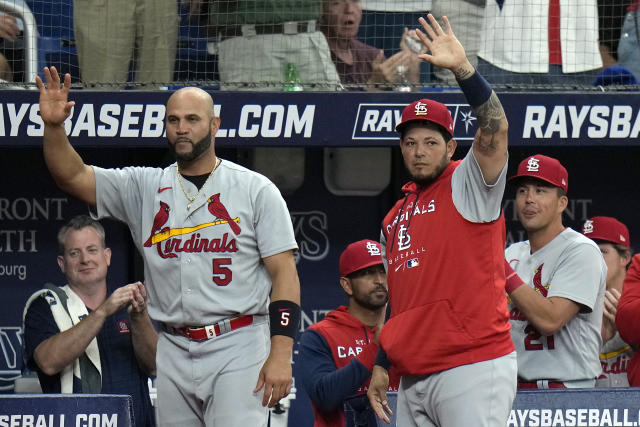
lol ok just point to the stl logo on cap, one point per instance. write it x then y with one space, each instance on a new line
587 228
373 249
420 109
533 165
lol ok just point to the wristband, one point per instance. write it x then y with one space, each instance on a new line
476 89
513 281
381 359
284 318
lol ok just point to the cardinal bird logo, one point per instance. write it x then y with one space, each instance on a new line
159 220
218 210
537 281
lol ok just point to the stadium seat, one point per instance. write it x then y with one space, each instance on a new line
56 43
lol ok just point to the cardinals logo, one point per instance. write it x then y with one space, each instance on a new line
167 240
159 220
537 282
218 210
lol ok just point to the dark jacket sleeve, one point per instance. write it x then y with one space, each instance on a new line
327 386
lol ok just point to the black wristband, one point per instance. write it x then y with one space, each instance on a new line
476 89
284 318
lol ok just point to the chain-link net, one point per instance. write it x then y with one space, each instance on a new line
318 44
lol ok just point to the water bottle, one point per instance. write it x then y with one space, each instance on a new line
403 81
292 79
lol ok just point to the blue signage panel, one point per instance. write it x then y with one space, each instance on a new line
131 118
579 407
70 410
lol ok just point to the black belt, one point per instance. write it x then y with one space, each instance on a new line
293 27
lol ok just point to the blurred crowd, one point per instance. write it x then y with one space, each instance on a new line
357 44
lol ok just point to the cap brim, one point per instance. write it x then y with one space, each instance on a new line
400 126
362 267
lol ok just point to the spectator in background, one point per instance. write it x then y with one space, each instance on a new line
610 18
9 31
516 48
612 238
556 293
88 336
628 317
383 20
258 38
468 16
358 63
110 34
629 45
337 353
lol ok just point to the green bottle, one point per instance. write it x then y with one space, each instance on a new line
292 79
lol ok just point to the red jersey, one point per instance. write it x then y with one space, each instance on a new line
446 283
628 318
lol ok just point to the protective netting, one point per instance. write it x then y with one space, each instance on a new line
317 44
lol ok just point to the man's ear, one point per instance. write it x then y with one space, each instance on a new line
346 285
61 263
451 148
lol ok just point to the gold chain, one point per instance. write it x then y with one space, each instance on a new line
184 190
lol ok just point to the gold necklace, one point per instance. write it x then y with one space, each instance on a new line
184 190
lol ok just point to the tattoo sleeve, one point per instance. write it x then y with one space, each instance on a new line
490 117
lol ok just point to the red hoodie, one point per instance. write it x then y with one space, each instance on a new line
348 338
446 283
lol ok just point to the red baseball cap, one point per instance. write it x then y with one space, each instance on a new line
606 229
427 110
359 255
544 168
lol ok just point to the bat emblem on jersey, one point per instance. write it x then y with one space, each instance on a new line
160 232
218 210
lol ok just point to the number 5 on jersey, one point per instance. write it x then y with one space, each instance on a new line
222 274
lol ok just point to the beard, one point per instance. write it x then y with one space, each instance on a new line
370 301
196 149
424 180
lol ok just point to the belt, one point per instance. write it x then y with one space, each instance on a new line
202 333
247 30
541 384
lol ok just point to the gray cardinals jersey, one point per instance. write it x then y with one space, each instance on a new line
203 259
570 266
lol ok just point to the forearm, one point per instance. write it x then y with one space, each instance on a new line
490 141
547 315
145 342
59 351
329 390
66 166
326 385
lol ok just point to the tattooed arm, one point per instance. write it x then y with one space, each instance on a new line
445 51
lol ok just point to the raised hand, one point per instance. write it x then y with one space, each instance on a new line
445 49
8 27
54 104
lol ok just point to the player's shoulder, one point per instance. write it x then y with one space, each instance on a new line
515 250
576 246
574 239
235 171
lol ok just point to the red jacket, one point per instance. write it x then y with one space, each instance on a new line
446 283
628 317
348 338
